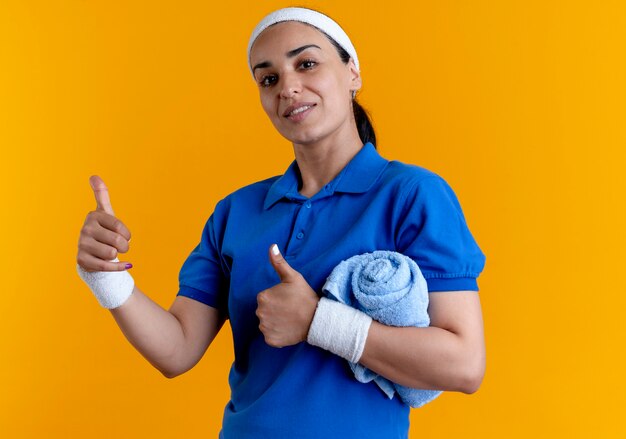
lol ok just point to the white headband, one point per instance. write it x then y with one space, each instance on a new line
314 18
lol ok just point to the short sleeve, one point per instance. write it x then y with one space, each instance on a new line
202 276
433 232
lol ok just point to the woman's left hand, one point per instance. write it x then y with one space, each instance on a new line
285 311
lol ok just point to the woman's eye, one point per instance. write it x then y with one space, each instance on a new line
268 80
308 63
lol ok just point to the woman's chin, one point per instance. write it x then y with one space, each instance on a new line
302 137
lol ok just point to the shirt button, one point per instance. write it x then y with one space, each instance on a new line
307 204
327 187
300 235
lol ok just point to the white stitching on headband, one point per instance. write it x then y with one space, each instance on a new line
314 18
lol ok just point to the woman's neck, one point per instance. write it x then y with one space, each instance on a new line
319 163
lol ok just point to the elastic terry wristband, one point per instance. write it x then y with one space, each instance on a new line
340 329
111 288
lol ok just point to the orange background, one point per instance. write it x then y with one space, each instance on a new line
520 106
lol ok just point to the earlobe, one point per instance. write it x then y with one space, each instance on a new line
356 85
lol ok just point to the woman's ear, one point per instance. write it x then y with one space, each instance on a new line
355 76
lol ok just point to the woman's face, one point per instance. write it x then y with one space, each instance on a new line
304 86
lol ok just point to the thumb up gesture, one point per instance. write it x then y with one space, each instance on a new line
103 236
285 311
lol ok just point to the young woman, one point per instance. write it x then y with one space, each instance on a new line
267 249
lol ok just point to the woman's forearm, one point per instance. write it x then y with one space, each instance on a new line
424 358
153 331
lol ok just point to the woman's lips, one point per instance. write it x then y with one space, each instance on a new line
296 113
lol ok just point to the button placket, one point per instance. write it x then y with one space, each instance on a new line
300 227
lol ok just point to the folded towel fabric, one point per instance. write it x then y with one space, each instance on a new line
390 288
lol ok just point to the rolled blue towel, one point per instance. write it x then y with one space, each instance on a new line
390 288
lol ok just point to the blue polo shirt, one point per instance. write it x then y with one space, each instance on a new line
303 391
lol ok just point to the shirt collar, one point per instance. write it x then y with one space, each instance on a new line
357 176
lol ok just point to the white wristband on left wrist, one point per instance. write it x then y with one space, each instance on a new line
340 329
111 288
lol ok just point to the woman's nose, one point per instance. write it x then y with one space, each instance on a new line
290 85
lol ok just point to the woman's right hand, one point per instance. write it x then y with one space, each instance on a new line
103 235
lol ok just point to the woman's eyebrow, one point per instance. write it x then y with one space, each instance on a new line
289 54
294 52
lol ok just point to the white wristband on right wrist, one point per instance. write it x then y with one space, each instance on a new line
340 329
111 288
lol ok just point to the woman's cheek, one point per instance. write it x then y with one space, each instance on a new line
268 108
